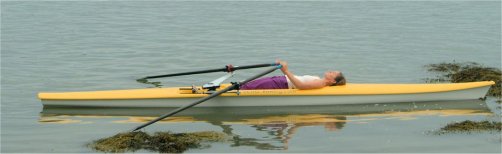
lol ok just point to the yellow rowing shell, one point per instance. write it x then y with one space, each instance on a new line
354 93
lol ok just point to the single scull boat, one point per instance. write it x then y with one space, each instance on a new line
230 96
351 93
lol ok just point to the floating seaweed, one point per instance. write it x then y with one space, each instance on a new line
165 142
470 126
121 142
466 72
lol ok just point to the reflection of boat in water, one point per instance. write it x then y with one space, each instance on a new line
222 113
278 123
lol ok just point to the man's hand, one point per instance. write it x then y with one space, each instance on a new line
284 64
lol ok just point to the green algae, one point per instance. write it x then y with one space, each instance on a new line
466 72
168 142
468 126
121 142
208 136
165 142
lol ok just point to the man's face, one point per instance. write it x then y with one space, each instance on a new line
331 75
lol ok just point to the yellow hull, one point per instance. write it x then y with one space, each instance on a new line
348 94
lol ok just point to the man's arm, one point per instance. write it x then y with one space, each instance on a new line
299 84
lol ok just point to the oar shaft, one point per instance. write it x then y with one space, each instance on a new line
253 66
261 74
185 107
226 69
186 73
231 87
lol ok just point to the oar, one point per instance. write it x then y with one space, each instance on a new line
228 68
231 87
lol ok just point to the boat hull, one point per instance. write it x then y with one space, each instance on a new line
233 100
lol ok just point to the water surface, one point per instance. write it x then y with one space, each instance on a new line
100 45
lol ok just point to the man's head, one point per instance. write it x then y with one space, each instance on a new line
335 78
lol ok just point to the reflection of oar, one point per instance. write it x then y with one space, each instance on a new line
228 68
231 87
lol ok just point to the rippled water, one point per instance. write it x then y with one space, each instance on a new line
99 45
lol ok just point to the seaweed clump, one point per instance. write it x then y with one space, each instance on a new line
466 72
121 142
164 142
470 126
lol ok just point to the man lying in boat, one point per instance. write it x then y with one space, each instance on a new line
291 81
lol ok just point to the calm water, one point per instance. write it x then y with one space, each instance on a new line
89 45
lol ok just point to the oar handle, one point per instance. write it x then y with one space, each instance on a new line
228 68
231 87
